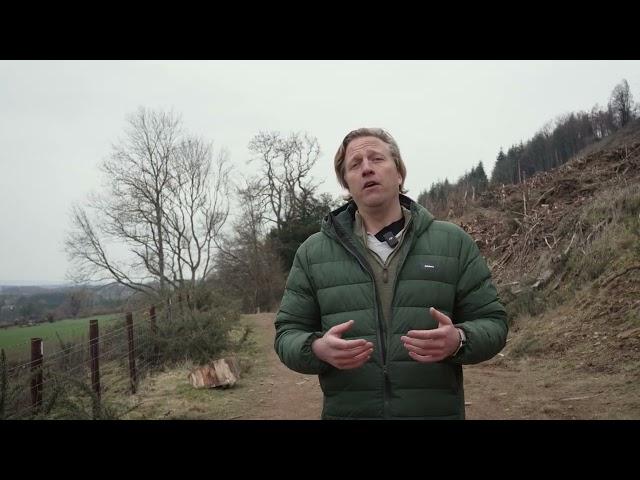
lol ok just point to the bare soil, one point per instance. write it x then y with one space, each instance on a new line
502 388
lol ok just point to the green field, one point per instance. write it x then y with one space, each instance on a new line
16 340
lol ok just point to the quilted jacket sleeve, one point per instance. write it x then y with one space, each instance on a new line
478 310
298 320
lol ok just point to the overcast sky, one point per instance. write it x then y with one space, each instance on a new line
58 120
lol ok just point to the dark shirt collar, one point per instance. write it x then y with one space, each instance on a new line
394 228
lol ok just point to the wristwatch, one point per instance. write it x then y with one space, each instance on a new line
463 341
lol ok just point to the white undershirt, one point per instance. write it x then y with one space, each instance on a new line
382 249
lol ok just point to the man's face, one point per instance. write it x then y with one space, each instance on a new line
371 173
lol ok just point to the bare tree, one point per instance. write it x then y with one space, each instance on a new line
600 121
163 201
279 210
621 102
248 265
197 210
75 301
285 165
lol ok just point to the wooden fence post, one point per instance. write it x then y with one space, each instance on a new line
94 352
36 373
154 333
132 358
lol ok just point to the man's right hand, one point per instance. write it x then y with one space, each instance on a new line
342 354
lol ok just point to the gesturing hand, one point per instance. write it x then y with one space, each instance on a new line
342 354
432 345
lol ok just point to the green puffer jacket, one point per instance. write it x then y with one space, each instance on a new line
331 282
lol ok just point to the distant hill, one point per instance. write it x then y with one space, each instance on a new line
24 289
111 291
32 303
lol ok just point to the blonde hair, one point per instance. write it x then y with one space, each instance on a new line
338 162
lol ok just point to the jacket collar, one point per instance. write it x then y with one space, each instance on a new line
343 218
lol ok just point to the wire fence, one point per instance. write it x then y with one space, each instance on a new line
110 361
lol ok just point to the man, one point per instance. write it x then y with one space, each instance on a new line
386 304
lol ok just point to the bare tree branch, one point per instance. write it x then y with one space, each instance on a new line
286 186
162 201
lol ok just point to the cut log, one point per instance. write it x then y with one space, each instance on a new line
220 373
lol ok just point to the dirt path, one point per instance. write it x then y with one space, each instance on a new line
535 389
498 389
279 393
489 389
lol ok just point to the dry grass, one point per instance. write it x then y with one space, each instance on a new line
169 395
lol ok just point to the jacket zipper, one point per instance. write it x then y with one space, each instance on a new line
385 279
401 263
380 331
363 262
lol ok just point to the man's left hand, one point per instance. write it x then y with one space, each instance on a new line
427 346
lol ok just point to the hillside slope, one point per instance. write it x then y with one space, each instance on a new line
564 249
